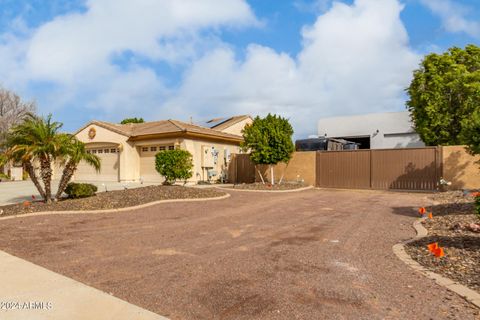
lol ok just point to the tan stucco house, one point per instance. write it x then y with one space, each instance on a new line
128 151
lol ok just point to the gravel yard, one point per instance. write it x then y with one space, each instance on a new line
453 214
114 199
268 186
315 254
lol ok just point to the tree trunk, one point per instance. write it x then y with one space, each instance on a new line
67 175
283 173
271 175
46 173
260 174
34 178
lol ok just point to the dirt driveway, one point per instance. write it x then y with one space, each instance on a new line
317 254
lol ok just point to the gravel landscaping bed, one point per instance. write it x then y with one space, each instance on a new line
114 199
268 186
451 229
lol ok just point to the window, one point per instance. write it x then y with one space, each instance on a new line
171 147
94 151
106 151
145 149
161 148
100 151
88 151
113 150
153 149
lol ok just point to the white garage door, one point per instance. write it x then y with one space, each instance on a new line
148 173
109 171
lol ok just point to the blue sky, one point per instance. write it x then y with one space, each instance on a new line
304 59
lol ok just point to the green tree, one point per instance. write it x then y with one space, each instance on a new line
132 120
174 165
73 153
37 140
444 94
470 134
269 141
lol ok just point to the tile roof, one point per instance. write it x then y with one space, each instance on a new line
162 127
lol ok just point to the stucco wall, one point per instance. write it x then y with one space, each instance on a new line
195 148
129 157
460 168
300 168
238 127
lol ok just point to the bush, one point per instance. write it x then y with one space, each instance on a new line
174 165
80 190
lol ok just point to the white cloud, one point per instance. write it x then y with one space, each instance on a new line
454 16
82 43
73 54
355 59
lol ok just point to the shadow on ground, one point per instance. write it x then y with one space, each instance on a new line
437 210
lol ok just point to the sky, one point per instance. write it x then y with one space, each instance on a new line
201 59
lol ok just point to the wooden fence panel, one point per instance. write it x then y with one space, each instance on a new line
242 169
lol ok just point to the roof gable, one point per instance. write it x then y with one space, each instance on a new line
135 130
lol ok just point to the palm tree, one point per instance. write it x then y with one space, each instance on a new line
37 139
74 153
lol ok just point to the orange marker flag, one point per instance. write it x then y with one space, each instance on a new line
432 247
422 210
430 215
439 252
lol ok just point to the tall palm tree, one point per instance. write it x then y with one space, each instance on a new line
74 153
37 139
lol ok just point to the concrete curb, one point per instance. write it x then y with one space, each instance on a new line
267 191
141 206
463 291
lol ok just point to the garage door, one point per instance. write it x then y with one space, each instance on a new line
148 173
110 161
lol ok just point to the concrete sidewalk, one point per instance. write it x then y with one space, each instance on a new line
28 291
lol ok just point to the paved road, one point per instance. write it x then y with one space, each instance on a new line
317 254
18 191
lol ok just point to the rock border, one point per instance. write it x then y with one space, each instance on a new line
463 291
267 191
140 206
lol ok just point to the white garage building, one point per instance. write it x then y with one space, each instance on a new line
373 131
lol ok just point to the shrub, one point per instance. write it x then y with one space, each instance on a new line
80 190
174 165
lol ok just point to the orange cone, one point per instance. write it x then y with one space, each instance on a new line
439 252
430 215
432 247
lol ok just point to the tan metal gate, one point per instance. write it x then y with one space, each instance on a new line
403 169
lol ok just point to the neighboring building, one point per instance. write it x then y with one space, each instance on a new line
373 131
14 172
128 151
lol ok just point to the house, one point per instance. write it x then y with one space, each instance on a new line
373 131
128 151
13 171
